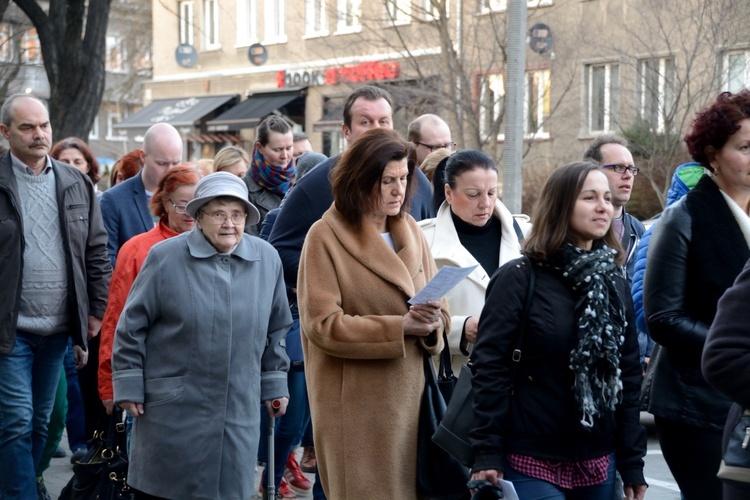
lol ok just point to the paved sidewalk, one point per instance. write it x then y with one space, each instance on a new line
61 470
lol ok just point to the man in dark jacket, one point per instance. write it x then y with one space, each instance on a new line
611 151
55 278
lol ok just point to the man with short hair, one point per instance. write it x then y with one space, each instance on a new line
125 206
611 152
300 144
429 132
55 279
365 108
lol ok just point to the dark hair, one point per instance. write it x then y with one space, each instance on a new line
360 169
452 167
594 152
272 123
88 155
715 124
554 208
179 175
368 93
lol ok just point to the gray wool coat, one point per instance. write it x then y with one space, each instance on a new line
199 342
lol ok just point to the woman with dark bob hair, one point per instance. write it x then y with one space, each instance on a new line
568 418
75 152
697 250
363 345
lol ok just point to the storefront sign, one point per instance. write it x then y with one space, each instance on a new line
362 72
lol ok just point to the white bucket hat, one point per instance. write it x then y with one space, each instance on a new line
222 184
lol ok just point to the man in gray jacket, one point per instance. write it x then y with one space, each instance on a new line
54 281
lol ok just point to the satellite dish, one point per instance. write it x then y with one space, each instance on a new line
186 55
540 38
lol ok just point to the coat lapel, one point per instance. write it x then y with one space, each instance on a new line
141 201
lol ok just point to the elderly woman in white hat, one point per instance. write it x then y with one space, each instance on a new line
198 347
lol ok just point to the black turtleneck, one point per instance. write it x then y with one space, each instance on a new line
482 242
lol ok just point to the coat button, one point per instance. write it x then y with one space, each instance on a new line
530 378
225 260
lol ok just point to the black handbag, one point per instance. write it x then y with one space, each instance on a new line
102 472
446 379
735 463
439 475
452 435
648 380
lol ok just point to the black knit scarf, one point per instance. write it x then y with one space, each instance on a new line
595 361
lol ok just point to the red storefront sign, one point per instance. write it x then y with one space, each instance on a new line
362 72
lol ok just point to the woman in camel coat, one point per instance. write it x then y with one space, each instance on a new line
363 343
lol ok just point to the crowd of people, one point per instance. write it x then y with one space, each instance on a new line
271 288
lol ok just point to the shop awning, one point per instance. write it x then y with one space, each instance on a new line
182 112
331 120
248 113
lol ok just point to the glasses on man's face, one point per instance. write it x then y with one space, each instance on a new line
621 169
221 217
180 209
451 146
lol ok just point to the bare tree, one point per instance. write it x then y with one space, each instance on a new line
72 34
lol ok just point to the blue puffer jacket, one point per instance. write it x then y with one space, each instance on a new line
685 177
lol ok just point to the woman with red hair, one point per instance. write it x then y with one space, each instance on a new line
125 167
173 193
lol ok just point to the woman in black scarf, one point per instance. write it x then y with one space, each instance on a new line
559 422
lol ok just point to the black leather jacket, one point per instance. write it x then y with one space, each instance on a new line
85 242
695 253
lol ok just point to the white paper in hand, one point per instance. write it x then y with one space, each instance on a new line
442 283
509 491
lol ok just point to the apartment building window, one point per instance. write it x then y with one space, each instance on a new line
537 101
31 48
186 22
398 11
6 42
142 61
247 25
491 104
656 94
116 56
275 22
113 118
211 24
736 70
94 132
316 22
486 6
602 96
348 16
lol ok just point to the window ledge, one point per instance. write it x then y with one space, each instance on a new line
315 34
275 41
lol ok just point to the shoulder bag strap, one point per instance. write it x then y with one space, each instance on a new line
516 357
445 371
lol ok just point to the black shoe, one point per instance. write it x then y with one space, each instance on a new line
59 452
41 490
77 455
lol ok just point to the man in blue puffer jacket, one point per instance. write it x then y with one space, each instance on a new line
685 177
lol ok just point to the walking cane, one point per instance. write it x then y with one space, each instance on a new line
270 479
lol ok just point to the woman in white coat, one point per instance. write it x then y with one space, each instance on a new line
472 227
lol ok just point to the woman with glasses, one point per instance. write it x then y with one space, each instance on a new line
198 347
472 228
697 250
169 202
364 346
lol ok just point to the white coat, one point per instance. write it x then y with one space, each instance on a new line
467 298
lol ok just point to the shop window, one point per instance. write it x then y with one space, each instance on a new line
247 26
316 22
211 24
398 12
601 96
275 22
348 16
186 22
736 70
656 91
537 101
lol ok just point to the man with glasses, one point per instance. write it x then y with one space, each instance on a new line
611 151
429 133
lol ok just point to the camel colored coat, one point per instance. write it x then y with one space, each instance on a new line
364 378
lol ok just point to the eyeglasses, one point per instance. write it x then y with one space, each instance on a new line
620 169
451 146
221 218
179 209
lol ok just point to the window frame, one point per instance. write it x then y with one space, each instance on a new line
116 56
498 104
543 103
246 18
662 89
113 118
277 9
211 37
398 12
348 9
186 22
610 101
726 70
315 10
487 6
29 41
